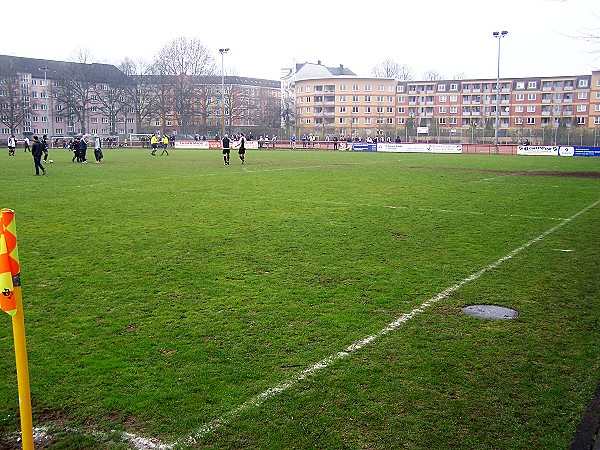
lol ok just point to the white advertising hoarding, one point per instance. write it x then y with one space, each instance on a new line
418 148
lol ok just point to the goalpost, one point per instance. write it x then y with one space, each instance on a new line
139 139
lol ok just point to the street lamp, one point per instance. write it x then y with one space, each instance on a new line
499 35
45 70
222 51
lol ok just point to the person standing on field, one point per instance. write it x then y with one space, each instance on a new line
165 144
45 145
26 144
153 144
36 151
11 143
242 147
226 149
98 150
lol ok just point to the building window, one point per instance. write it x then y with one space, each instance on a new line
582 83
367 121
367 98
342 98
355 87
530 108
380 88
367 87
453 109
581 121
400 120
342 87
367 109
520 97
442 121
532 85
443 98
443 110
402 98
355 98
531 96
454 87
582 95
342 120
94 120
520 85
342 109
531 121
581 108
518 121
597 120
454 98
441 87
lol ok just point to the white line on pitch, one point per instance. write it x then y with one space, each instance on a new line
259 399
141 443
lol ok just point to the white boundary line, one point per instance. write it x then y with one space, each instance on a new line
259 399
141 443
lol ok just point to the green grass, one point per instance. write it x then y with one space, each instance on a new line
163 293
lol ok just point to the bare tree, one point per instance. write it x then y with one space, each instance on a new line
460 76
391 69
432 75
73 89
13 108
111 99
139 91
386 69
288 113
405 73
187 61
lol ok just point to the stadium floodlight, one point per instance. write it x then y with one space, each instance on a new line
49 119
222 51
499 35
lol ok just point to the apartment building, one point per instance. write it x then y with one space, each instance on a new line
62 99
59 98
527 108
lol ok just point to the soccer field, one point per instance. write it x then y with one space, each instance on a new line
305 299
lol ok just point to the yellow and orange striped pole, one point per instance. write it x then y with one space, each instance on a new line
12 302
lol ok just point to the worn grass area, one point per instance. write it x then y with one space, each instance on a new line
163 293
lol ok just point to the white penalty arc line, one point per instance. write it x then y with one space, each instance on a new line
259 399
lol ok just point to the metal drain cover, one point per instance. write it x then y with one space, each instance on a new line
490 312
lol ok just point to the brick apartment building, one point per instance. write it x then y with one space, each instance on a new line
63 99
331 101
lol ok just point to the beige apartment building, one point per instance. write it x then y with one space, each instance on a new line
539 109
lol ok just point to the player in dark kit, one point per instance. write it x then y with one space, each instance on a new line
226 150
242 147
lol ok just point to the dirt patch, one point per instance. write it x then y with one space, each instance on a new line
554 174
533 173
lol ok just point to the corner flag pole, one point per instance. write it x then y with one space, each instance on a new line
11 301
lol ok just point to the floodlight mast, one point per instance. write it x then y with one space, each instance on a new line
499 35
222 51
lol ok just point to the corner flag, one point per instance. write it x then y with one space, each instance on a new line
12 303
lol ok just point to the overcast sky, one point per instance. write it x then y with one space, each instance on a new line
450 36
